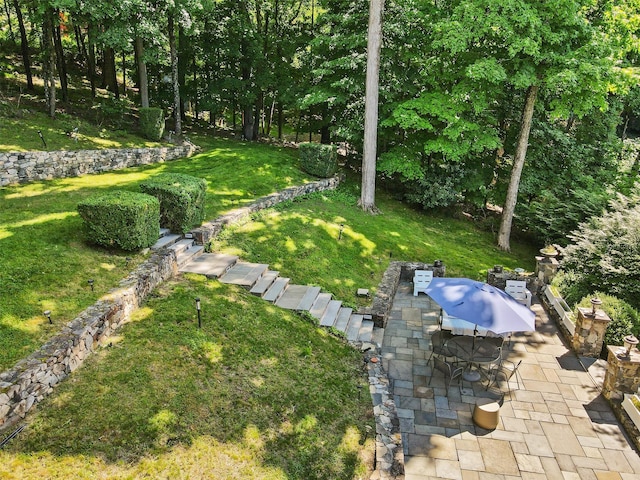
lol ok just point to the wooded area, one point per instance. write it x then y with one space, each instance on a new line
512 103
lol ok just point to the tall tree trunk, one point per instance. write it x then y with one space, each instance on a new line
124 74
82 51
280 120
49 63
142 73
174 74
516 172
374 41
24 45
182 70
7 12
91 60
62 68
109 79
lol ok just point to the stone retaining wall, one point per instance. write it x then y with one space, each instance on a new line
33 378
397 271
210 230
21 167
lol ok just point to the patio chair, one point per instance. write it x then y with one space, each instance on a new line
506 372
421 280
438 344
518 290
451 370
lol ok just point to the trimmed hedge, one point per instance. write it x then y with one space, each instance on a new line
318 159
181 200
128 220
151 122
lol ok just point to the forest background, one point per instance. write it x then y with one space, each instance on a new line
458 81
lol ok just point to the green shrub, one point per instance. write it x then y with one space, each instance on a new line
152 123
128 220
318 159
181 200
624 318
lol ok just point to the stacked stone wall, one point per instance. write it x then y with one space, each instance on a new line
22 167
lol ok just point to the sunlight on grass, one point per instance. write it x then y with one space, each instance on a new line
41 219
5 234
107 266
309 422
253 438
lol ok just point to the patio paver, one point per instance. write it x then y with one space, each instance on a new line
556 426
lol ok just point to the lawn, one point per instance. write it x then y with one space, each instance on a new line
257 393
46 262
302 240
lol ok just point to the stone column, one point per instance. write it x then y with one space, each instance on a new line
588 338
623 373
546 268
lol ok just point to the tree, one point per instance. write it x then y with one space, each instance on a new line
374 41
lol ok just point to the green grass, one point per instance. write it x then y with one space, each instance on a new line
257 393
46 262
300 240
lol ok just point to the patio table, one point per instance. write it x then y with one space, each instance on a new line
478 352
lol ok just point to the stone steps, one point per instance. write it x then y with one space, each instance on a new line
273 288
262 285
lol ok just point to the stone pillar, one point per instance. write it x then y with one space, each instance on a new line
588 338
623 373
546 268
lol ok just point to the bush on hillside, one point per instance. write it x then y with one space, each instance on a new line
152 123
624 318
318 159
181 200
127 220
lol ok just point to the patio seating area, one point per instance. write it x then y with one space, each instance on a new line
552 424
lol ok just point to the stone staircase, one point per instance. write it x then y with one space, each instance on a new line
271 287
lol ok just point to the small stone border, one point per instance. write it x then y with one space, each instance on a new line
34 377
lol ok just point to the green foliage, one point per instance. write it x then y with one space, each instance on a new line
152 122
318 159
112 112
625 319
605 253
182 200
121 219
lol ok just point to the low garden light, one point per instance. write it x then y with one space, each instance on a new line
90 282
47 313
630 341
198 310
340 233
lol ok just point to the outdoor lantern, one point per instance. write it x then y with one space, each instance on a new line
497 268
90 282
341 229
437 263
47 313
595 303
629 342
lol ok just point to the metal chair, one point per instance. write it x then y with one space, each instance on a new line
506 372
449 369
439 344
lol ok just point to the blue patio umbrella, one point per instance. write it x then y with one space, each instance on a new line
481 304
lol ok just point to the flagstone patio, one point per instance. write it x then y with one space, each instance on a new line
556 426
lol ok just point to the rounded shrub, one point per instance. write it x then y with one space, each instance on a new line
318 159
181 200
122 219
151 122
